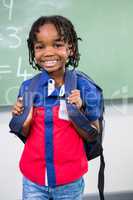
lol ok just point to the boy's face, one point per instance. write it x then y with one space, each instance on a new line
51 53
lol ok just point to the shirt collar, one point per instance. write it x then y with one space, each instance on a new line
44 81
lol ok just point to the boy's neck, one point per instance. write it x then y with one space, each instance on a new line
58 77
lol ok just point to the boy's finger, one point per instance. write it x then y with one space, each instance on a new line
15 112
20 99
18 108
19 102
76 90
74 96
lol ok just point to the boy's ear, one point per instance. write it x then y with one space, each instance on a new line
70 51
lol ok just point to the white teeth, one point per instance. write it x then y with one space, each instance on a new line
50 62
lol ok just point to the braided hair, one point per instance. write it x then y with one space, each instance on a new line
64 28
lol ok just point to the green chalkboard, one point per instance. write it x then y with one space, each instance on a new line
106 28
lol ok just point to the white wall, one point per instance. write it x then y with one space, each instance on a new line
118 150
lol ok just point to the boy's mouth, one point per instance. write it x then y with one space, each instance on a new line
49 63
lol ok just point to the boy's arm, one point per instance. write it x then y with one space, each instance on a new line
95 124
75 98
27 123
82 133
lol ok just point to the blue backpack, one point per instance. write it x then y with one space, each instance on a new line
92 139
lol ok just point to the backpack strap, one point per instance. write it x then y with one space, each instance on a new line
82 122
101 177
79 119
17 121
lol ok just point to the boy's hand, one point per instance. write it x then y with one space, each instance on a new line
75 98
18 107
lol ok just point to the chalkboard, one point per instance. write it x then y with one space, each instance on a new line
106 28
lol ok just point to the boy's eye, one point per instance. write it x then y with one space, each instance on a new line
38 46
58 45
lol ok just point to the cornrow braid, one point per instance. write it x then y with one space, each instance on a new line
64 28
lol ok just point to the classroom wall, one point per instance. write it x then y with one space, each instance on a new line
118 150
106 28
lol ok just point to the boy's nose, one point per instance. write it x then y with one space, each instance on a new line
48 51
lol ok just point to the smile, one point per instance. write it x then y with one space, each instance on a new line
49 62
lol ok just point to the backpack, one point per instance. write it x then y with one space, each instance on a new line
94 147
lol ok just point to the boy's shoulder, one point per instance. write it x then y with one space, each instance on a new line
27 82
85 81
